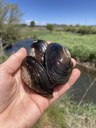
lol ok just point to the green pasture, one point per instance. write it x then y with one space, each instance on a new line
65 113
80 46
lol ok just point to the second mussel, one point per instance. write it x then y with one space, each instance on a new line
46 66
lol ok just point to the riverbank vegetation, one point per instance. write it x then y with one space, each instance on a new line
80 40
10 15
67 114
82 47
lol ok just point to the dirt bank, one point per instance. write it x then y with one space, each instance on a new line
87 66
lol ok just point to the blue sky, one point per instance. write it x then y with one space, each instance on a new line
58 11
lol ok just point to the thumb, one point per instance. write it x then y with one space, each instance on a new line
14 61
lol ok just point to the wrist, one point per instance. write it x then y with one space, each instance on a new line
7 123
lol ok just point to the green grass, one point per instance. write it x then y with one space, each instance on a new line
3 58
80 46
67 114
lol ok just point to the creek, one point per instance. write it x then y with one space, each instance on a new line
84 90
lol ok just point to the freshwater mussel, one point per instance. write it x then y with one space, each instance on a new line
46 66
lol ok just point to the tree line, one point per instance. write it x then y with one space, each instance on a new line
80 29
10 17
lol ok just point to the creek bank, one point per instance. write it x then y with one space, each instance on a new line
22 43
87 67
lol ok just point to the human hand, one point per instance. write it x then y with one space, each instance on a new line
20 106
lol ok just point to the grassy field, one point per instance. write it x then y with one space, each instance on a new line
67 114
80 46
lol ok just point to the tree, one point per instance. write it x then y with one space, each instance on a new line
10 16
32 23
3 12
9 13
50 27
14 14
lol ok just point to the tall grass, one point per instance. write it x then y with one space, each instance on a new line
81 46
3 57
67 114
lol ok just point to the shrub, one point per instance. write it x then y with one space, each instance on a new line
32 24
80 29
3 58
9 35
80 52
50 27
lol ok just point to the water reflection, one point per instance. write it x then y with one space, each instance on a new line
85 85
25 43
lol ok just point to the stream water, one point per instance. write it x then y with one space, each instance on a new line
84 89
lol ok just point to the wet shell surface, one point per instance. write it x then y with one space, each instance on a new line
46 66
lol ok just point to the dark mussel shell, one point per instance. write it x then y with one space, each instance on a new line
35 76
47 65
58 64
38 49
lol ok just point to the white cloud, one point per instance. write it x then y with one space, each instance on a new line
40 22
28 22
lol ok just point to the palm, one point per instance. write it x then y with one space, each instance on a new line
17 100
15 94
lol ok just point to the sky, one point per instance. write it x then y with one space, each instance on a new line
58 11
